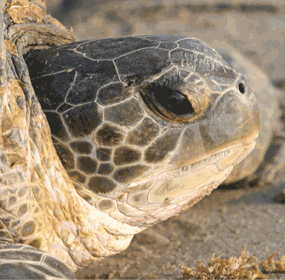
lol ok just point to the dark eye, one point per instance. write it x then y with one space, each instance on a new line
168 102
173 101
241 88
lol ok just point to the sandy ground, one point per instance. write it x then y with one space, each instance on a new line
227 220
222 223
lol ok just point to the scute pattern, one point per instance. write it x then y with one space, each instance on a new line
62 81
83 120
97 75
103 154
127 174
109 136
113 48
143 64
64 107
112 138
101 184
126 114
86 165
144 133
125 155
112 94
81 147
105 169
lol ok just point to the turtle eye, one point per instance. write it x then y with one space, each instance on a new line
168 102
173 101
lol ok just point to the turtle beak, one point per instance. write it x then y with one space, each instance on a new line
233 122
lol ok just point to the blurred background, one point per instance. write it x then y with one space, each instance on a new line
255 28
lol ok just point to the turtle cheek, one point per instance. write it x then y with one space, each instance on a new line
191 147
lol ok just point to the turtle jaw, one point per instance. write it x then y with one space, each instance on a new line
229 156
177 190
185 180
233 154
197 176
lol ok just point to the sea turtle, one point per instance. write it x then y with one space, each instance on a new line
142 128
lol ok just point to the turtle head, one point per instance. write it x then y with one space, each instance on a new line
144 126
208 119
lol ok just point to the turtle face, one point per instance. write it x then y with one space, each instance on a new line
145 126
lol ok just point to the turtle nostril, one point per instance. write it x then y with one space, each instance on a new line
241 88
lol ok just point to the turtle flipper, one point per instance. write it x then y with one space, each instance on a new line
19 261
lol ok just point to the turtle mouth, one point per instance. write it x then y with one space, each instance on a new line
210 160
224 159
200 177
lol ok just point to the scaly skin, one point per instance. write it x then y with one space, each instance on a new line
40 205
